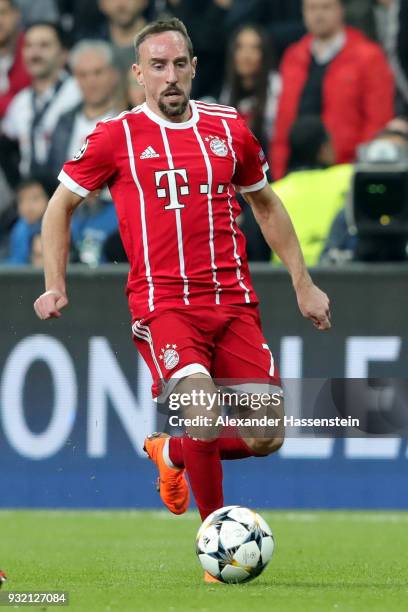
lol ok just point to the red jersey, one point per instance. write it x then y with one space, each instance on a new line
174 185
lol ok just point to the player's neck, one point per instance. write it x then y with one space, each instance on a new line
178 119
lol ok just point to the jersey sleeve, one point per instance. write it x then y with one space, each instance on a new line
251 164
92 166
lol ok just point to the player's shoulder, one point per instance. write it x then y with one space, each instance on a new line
124 115
216 110
113 126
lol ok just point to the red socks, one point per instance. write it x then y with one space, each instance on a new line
234 448
228 447
204 469
176 451
202 462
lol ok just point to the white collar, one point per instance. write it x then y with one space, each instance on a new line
172 125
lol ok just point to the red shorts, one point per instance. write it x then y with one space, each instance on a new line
225 342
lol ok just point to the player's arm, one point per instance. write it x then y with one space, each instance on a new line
280 235
55 235
89 170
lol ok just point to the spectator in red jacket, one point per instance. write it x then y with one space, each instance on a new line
13 74
337 73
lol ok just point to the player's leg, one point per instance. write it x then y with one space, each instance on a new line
178 356
245 364
166 344
242 357
237 442
262 440
231 446
199 447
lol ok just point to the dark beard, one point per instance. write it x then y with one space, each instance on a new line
174 110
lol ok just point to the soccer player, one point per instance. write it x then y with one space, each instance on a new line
172 165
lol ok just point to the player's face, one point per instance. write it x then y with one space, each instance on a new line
96 78
166 72
135 92
42 52
9 17
323 18
248 53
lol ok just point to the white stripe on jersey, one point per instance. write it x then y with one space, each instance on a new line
72 185
229 140
234 233
139 334
178 221
142 213
134 111
236 255
216 114
143 333
215 106
210 214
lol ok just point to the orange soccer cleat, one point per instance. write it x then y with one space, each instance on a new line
171 483
208 578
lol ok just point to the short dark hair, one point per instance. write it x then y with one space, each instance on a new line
59 33
157 27
306 137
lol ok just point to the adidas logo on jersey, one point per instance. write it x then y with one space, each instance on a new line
149 153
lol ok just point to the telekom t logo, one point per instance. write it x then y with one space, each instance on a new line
172 190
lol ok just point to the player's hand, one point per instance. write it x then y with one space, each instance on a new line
50 303
314 304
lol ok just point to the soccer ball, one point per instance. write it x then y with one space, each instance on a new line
234 544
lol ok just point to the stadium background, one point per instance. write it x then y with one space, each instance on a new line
75 402
78 507
76 399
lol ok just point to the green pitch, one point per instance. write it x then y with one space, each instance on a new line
145 561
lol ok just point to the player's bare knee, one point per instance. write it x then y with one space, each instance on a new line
267 446
199 410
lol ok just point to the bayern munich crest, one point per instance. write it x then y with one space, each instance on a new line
169 356
218 146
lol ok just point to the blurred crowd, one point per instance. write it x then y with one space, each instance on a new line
314 80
